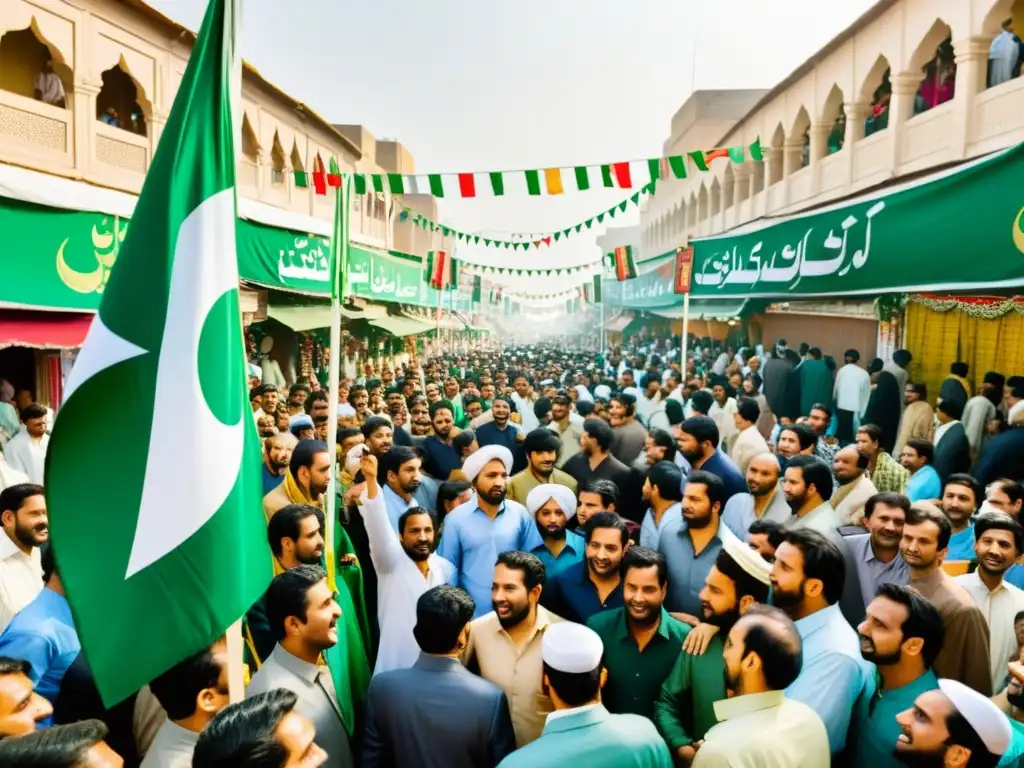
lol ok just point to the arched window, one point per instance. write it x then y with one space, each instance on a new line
877 90
276 161
30 68
120 101
835 112
935 60
802 131
778 147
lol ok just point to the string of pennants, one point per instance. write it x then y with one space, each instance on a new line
533 182
538 240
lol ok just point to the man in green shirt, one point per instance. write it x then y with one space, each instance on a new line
641 641
901 635
685 711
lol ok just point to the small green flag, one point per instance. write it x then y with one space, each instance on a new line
378 182
301 179
606 176
533 182
678 166
359 181
582 178
396 184
698 160
654 166
497 183
436 185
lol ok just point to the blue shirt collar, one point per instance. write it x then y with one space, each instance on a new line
808 625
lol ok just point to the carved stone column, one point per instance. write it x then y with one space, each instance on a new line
971 72
901 109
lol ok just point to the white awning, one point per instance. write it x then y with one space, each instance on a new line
306 317
402 326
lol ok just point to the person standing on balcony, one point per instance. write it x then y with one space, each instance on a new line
1003 56
49 88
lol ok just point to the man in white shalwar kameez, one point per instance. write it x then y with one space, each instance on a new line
26 451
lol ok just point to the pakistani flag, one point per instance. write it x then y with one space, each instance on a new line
153 467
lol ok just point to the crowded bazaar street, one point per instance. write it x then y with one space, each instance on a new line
713 457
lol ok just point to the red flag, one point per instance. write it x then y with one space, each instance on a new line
622 175
467 185
684 269
320 182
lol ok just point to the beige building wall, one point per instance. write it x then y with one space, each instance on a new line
895 39
128 57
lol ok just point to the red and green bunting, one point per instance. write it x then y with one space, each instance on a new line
623 263
592 293
534 182
538 240
439 270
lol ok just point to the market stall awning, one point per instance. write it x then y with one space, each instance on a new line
700 310
402 326
306 317
43 330
619 322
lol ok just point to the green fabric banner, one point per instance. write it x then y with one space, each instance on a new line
954 230
59 259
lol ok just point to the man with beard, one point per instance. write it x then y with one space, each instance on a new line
808 488
641 641
855 487
954 726
499 431
663 493
766 500
440 458
552 507
541 447
722 411
961 496
306 480
807 583
692 542
697 440
819 418
304 616
594 585
400 470
379 435
901 636
406 566
965 653
505 644
684 711
478 531
998 541
277 453
761 724
876 554
296 536
25 528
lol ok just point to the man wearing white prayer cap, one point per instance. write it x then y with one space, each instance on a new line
953 727
581 731
482 528
685 711
552 506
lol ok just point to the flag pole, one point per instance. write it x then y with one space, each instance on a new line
686 323
339 287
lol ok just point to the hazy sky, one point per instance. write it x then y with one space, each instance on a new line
489 85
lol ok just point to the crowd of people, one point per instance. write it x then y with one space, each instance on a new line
635 558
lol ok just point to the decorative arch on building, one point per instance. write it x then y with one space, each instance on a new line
716 197
277 160
250 145
296 158
777 143
691 211
802 130
876 91
122 101
728 187
702 202
934 62
24 53
834 113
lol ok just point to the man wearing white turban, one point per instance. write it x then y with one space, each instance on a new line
481 529
552 507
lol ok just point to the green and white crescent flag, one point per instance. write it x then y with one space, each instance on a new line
152 474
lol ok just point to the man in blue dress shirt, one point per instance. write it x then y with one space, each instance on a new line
916 457
807 582
43 634
697 440
552 506
481 529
